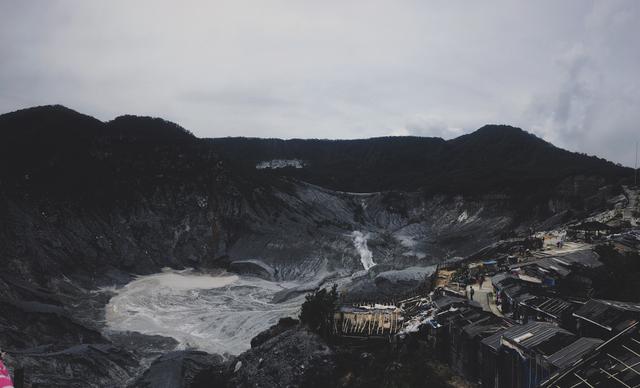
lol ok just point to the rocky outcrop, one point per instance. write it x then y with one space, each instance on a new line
293 358
401 281
288 355
253 268
179 369
283 325
79 366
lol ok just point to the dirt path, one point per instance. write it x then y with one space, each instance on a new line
484 296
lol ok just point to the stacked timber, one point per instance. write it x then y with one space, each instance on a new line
367 321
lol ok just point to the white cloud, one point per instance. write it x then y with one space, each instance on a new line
567 70
429 126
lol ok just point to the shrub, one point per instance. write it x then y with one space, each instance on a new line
318 309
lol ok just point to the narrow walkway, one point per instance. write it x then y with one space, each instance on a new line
484 296
567 247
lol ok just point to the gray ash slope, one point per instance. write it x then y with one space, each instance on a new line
86 204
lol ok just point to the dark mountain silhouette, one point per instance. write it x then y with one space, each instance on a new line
59 148
54 151
149 129
495 158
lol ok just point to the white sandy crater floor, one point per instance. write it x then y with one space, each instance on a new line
217 313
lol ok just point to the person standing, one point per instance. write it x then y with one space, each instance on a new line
5 379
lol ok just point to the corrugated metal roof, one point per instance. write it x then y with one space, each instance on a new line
559 265
608 314
554 265
613 363
502 279
445 301
514 290
493 341
497 278
567 356
485 328
587 257
549 305
540 332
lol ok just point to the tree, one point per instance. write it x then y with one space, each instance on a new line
619 277
318 309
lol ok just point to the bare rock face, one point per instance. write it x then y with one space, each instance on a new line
283 325
295 357
288 355
404 280
178 369
86 365
254 268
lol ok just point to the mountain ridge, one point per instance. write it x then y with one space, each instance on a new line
492 130
494 158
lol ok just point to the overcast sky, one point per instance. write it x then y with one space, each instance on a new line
568 71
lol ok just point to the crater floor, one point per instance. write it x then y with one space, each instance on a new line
217 313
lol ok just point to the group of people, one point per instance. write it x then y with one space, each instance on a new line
5 378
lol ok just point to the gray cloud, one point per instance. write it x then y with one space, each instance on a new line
568 71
